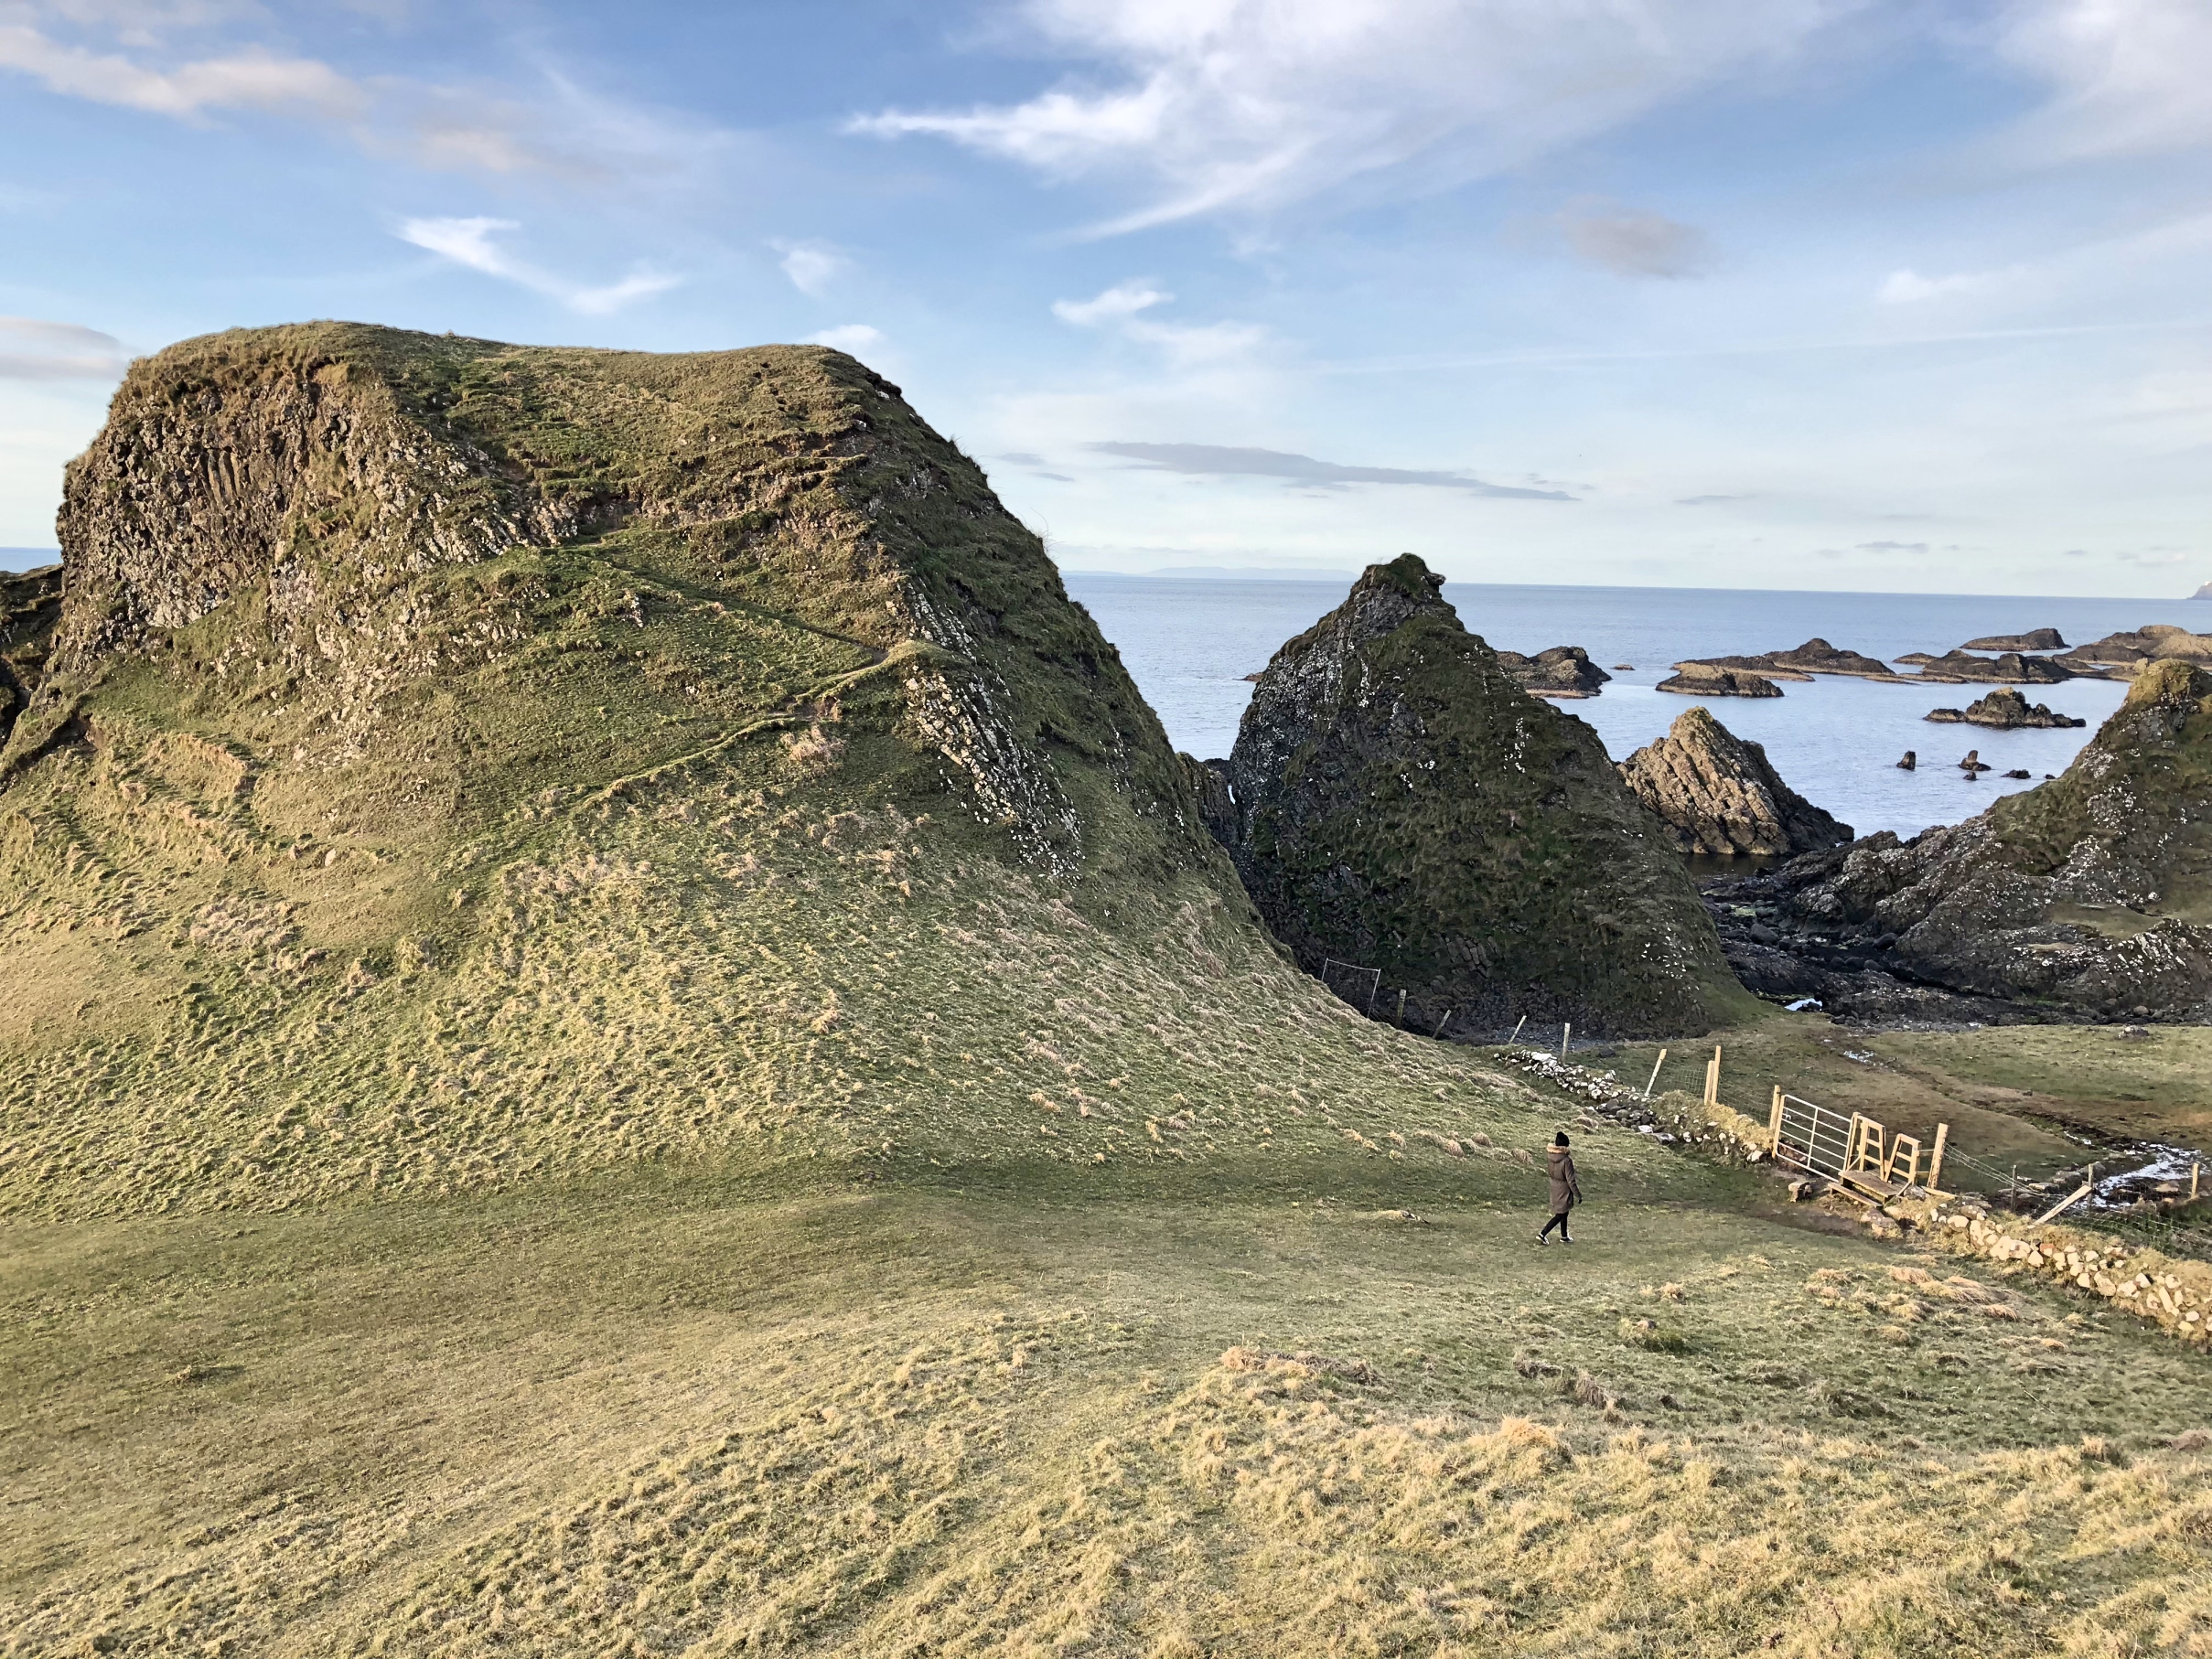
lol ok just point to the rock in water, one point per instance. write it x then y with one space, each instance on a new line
1564 670
2085 894
1710 680
1717 792
2012 669
2125 655
2005 711
1911 763
1402 805
2040 640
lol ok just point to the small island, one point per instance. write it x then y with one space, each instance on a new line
2010 669
2005 711
1713 679
1564 670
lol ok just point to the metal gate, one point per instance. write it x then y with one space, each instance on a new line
1812 1138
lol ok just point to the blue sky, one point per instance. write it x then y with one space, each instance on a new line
1808 294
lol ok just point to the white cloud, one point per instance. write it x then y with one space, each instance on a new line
1118 304
250 79
1909 288
812 266
853 337
1121 308
1257 104
470 242
31 349
2129 76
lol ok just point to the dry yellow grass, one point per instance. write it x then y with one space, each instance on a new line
654 1419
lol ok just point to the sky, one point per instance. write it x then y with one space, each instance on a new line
1898 295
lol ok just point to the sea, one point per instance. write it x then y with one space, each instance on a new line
1189 642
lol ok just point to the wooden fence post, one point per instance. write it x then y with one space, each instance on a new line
1662 1060
1934 1162
1773 1124
1566 1033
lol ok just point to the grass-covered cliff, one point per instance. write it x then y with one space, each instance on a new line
460 763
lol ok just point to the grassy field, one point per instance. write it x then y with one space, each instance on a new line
661 1415
625 1097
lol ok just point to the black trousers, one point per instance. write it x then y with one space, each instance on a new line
1558 1221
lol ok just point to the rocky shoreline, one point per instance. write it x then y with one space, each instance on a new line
2005 711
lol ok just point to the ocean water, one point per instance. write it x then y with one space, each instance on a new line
1188 643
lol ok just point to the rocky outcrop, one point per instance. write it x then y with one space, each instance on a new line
2125 655
2083 897
2010 669
2203 593
1718 794
333 523
2005 711
1402 805
30 606
1564 670
2040 640
1711 680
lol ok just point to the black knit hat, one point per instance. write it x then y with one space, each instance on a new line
1560 1139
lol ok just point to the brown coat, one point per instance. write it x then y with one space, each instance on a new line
1566 1192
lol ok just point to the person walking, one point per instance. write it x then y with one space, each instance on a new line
1566 1192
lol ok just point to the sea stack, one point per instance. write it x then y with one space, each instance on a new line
1402 805
1717 792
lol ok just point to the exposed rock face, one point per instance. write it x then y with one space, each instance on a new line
1402 803
1719 794
1763 666
1564 670
2203 593
2040 640
2085 896
2125 655
2005 711
30 606
1208 781
2010 669
1709 679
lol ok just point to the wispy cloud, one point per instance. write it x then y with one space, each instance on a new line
31 349
1252 105
1122 308
1633 241
812 266
555 127
470 242
1217 461
2128 77
1708 500
250 79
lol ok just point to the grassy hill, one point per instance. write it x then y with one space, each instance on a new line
617 1034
